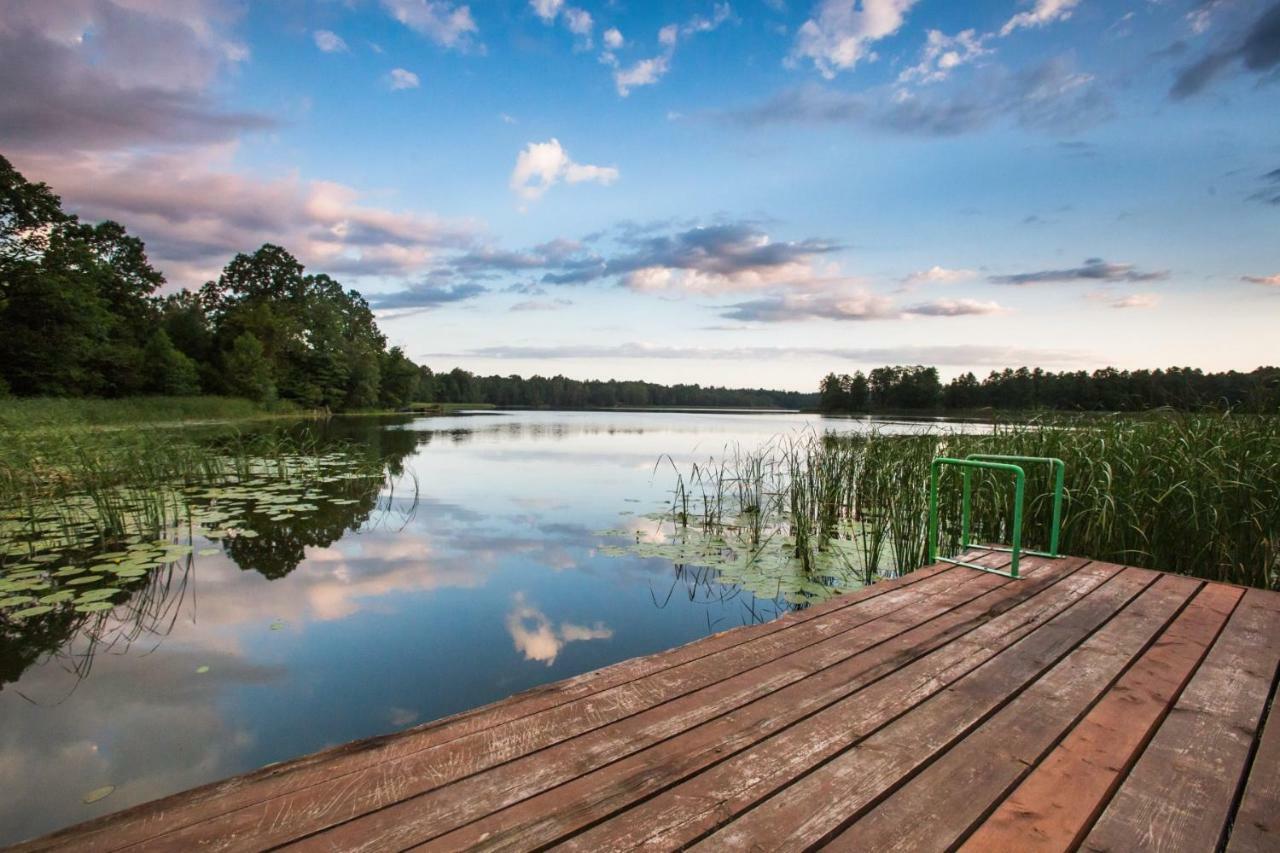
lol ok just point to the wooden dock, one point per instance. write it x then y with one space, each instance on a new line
1086 705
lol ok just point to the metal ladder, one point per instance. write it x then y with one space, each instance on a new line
1003 463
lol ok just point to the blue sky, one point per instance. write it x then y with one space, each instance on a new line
743 193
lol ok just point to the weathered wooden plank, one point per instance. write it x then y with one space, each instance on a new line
419 818
1256 826
813 809
136 824
163 818
1064 794
687 811
553 814
1180 793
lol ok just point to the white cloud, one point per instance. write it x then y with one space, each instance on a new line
329 42
546 9
542 165
841 32
577 21
1136 300
1271 280
439 20
955 308
938 275
646 72
851 304
613 38
401 78
943 53
1044 12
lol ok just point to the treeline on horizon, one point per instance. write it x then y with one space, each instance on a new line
81 316
917 387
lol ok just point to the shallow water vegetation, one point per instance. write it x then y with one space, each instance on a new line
1192 494
91 522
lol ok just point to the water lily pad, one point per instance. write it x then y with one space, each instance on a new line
201 670
208 552
96 594
85 579
277 625
28 612
98 794
60 597
93 606
16 600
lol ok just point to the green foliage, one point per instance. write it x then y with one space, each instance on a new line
66 414
844 393
399 380
169 371
461 386
80 316
1026 389
247 371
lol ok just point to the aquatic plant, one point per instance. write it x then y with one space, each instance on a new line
1192 494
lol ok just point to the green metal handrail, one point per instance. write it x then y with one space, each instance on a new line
1019 490
1059 469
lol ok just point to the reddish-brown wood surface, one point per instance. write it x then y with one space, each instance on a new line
1084 704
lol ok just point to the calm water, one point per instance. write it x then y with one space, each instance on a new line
371 616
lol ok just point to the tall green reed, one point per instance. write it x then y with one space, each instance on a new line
1195 494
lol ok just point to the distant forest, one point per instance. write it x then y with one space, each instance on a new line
1106 390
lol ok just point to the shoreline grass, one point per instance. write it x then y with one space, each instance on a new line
39 414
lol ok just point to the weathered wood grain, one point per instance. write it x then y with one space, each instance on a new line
1180 793
939 806
1256 826
815 808
684 812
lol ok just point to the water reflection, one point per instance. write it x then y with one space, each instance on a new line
537 639
480 574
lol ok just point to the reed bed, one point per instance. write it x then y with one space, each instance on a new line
1195 494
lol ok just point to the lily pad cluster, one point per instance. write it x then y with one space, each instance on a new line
769 569
58 556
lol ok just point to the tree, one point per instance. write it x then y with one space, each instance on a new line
399 380
831 395
168 371
28 213
247 371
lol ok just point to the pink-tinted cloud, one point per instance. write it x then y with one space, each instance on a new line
194 212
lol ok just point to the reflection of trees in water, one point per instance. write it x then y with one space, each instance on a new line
155 599
281 545
703 585
74 638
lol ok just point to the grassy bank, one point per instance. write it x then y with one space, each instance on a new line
45 413
1193 494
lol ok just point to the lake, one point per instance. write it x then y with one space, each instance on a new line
494 558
